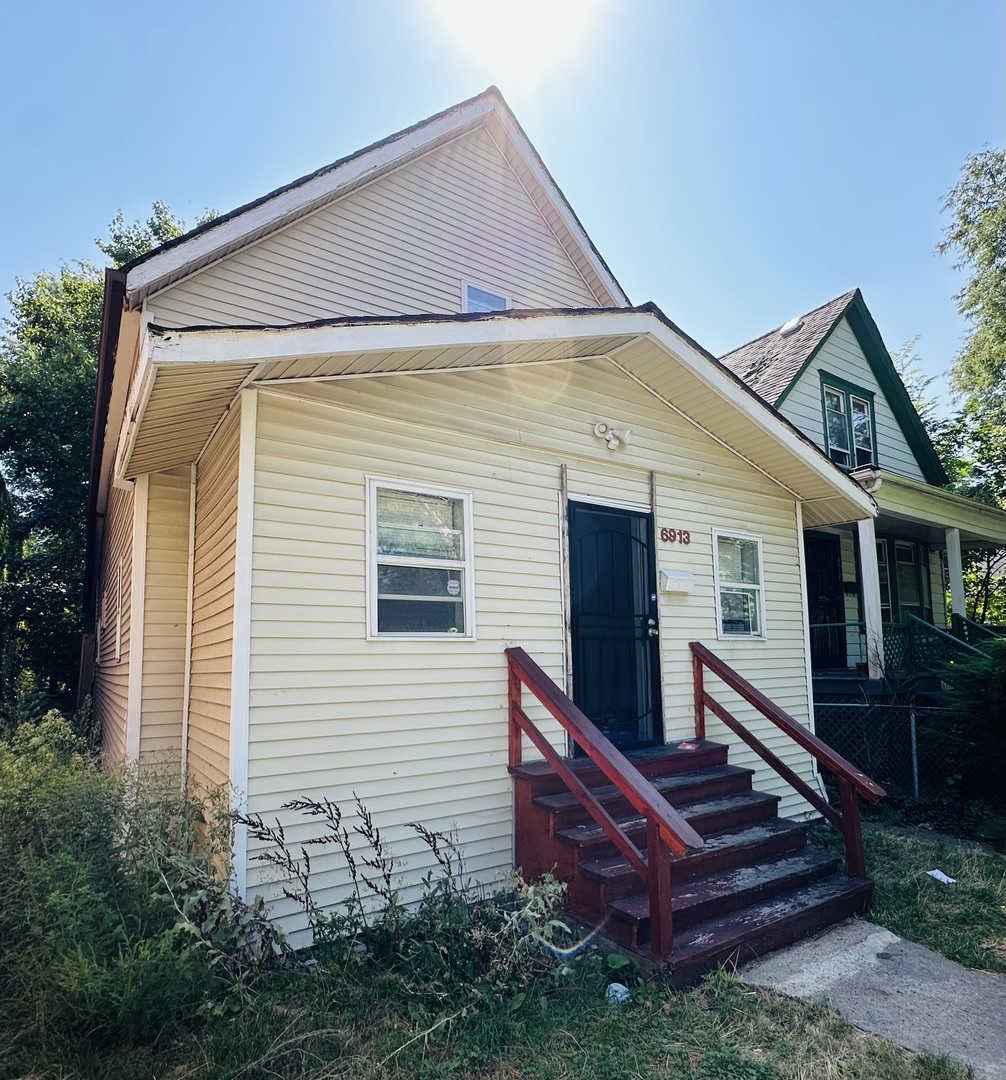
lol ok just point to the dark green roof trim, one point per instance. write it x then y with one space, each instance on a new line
879 358
813 353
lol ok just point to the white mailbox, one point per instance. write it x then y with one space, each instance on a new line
676 581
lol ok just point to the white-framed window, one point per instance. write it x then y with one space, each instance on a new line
848 426
738 577
476 298
837 426
420 580
862 430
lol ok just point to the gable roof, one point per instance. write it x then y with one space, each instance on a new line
773 363
230 232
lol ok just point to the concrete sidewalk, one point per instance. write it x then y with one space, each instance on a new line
897 989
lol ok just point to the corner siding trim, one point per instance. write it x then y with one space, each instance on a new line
240 671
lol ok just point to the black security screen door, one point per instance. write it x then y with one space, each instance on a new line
826 601
613 609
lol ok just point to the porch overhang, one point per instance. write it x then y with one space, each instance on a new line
924 512
188 379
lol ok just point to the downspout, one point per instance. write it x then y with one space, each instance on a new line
189 606
808 666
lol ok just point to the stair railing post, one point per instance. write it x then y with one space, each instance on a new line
514 739
658 860
700 704
852 831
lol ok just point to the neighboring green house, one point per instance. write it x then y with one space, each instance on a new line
830 374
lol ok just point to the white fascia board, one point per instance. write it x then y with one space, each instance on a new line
761 414
143 385
303 342
562 208
948 509
206 246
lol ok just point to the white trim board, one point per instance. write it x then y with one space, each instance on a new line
241 650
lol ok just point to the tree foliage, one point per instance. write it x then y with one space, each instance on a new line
977 235
48 366
972 443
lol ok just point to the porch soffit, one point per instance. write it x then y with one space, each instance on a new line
191 378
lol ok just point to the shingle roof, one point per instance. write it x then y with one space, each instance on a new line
770 363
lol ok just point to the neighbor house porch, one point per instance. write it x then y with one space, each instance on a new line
878 589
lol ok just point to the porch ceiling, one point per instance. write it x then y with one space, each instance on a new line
189 378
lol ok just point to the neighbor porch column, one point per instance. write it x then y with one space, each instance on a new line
955 567
871 597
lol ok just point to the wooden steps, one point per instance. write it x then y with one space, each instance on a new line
753 887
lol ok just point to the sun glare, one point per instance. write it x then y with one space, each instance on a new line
519 39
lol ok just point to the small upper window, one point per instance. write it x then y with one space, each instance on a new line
862 431
420 561
475 298
838 426
738 577
848 427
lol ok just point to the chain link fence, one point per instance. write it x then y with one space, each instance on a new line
919 751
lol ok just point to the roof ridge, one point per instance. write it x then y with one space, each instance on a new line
846 296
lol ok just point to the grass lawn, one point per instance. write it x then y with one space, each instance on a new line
325 1025
965 922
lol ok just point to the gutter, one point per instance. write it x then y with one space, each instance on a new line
111 320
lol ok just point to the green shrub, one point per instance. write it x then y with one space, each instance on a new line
112 926
975 723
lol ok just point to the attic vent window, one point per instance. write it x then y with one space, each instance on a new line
475 298
791 327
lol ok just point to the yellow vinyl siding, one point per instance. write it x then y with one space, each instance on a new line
418 728
398 246
213 609
164 629
841 355
111 680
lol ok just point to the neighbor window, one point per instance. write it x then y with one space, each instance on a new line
475 298
420 561
738 577
848 425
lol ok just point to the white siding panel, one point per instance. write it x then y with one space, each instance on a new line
418 730
842 356
111 679
398 246
166 610
213 609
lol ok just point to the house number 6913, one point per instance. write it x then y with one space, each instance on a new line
675 536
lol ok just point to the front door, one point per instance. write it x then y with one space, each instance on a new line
613 622
825 601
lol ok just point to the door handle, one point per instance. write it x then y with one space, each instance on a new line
653 631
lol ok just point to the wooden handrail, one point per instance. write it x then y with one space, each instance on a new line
666 830
852 782
866 787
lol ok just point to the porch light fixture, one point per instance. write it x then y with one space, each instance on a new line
614 437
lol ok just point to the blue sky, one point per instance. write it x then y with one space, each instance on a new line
736 161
